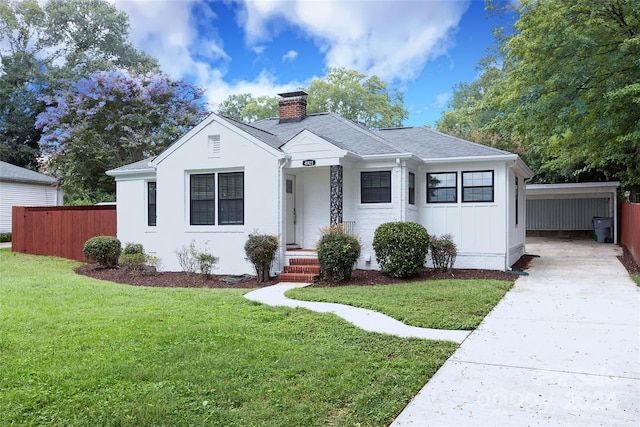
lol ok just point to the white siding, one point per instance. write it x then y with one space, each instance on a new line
261 200
313 198
478 229
24 194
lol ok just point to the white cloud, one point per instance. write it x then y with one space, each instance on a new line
392 39
442 100
289 56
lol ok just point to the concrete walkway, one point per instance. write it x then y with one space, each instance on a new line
368 320
562 348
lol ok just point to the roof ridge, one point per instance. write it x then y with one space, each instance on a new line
234 121
464 140
372 133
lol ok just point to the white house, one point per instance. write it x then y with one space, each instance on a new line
294 175
24 187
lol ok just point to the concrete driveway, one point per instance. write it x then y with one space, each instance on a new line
562 348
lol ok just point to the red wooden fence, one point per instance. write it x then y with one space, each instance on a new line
630 228
59 230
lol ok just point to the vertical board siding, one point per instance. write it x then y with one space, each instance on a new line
630 228
60 231
565 214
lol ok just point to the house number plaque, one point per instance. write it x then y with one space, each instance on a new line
308 163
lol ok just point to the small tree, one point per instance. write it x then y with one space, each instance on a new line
261 251
206 261
337 252
105 250
443 252
401 247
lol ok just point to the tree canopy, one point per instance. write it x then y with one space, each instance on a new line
47 47
353 95
110 119
564 89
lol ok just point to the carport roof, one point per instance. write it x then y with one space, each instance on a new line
573 188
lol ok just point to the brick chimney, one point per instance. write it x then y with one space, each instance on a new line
293 106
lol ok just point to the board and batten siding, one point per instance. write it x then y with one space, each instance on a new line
25 194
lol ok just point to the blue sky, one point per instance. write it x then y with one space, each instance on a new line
419 47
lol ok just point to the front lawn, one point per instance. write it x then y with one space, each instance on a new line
439 304
75 351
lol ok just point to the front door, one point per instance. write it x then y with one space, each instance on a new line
291 210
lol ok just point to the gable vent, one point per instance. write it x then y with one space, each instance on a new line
214 145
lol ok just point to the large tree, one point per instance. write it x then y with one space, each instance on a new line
353 95
568 90
43 48
110 119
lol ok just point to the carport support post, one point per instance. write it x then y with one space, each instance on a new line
335 194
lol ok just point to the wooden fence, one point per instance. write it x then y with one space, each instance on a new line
59 230
630 228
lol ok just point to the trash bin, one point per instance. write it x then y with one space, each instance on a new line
602 228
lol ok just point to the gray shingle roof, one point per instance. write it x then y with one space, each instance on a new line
422 142
262 135
344 133
9 172
139 165
427 143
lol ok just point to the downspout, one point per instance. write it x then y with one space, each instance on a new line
401 165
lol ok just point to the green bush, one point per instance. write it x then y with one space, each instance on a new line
5 237
443 252
105 250
133 248
261 251
401 248
133 261
337 252
206 262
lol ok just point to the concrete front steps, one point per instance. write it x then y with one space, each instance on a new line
300 270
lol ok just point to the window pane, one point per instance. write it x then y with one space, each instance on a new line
477 186
151 204
231 198
442 187
412 189
375 187
202 199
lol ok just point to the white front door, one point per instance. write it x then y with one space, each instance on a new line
291 210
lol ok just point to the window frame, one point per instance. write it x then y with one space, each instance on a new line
150 222
224 201
455 187
411 188
387 190
492 187
202 201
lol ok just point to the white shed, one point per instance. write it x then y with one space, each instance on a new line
571 207
24 187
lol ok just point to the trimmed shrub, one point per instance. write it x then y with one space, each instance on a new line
105 250
337 252
206 262
134 261
133 248
261 251
5 237
401 248
443 252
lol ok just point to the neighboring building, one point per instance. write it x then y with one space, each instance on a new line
294 175
24 187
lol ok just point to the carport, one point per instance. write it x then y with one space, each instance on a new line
571 207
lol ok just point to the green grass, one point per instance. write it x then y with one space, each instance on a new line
636 278
440 304
81 352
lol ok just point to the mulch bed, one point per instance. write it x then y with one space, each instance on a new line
171 279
